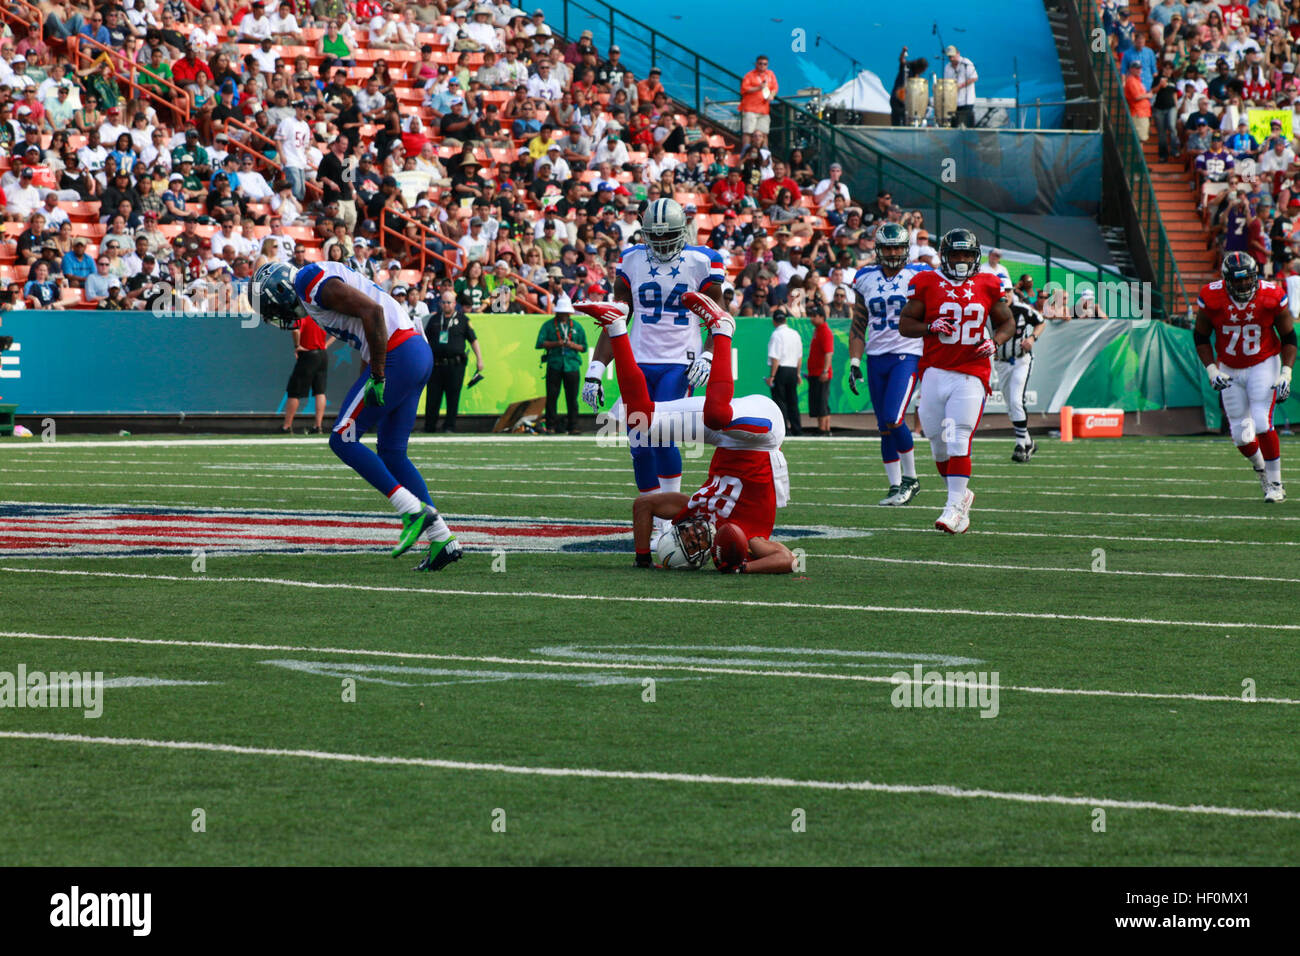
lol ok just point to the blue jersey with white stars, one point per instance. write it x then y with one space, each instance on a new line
884 298
665 332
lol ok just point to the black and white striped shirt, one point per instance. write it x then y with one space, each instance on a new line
1026 317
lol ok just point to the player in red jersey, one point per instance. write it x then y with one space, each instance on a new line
747 479
1255 342
949 309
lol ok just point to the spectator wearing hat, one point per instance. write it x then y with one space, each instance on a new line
563 342
447 330
1139 99
76 265
501 288
1144 56
1164 109
1213 169
962 70
826 190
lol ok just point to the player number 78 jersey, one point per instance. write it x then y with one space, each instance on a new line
1243 334
663 330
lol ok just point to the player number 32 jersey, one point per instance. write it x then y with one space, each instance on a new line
664 330
967 306
1243 334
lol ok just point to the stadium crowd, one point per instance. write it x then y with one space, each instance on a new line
1197 70
149 149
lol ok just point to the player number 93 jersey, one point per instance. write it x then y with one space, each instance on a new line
664 330
967 306
348 328
884 298
1243 334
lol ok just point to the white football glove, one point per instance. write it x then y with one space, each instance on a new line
697 376
593 390
1218 380
1282 387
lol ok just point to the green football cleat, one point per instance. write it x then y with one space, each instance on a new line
441 554
412 527
907 490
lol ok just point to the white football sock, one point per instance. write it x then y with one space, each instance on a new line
670 484
438 530
405 502
957 489
1273 470
894 473
1257 460
908 460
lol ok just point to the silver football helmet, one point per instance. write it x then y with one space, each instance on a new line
664 225
686 544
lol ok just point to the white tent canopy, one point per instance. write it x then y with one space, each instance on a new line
865 93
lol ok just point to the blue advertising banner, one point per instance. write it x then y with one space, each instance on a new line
125 363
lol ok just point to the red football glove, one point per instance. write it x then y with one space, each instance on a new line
605 313
942 327
986 348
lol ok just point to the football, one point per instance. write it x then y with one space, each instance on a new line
730 547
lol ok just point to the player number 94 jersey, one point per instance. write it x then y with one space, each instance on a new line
967 306
1243 334
663 330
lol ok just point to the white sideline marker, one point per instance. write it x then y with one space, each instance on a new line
591 773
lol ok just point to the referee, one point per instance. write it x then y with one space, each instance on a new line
447 330
308 375
785 353
1012 363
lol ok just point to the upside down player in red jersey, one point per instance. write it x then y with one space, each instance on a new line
1254 336
747 475
949 308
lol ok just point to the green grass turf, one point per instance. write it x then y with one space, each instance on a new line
1195 499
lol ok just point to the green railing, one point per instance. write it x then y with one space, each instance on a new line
714 91
1167 278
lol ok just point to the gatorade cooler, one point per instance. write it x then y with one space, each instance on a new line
1091 423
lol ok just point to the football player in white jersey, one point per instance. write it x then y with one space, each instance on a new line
891 358
397 360
651 280
748 479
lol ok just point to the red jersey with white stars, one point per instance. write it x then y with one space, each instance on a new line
967 306
1243 334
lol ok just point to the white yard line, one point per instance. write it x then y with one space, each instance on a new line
651 776
1034 569
655 666
667 599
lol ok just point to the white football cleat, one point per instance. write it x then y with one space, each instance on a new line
891 496
1263 481
956 520
1275 492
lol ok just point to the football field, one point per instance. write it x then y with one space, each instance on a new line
1104 671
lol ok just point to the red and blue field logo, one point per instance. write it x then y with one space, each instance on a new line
119 531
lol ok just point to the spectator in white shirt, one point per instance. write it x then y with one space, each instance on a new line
611 149
543 86
483 32
383 31
255 25
824 192
293 136
995 266
252 183
962 70
284 25
266 56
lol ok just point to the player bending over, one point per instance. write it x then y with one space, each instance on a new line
397 360
891 358
1255 342
747 479
651 281
948 311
